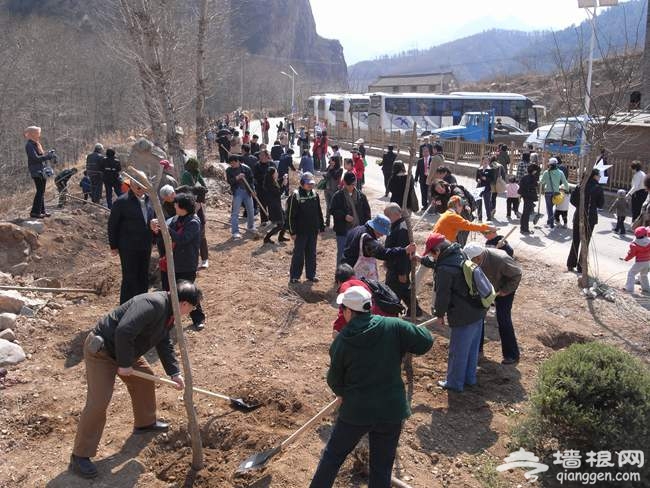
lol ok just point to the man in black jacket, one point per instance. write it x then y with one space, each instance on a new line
398 269
259 172
594 199
465 314
349 208
305 220
111 168
116 347
129 235
387 161
94 168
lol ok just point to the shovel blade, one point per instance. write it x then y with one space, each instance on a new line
239 404
258 461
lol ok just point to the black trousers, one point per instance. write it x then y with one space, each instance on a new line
96 185
529 206
38 205
110 187
574 254
402 290
424 193
135 273
197 315
638 197
512 205
304 254
386 181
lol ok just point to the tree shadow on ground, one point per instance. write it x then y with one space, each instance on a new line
128 468
465 425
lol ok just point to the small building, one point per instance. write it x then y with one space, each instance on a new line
416 83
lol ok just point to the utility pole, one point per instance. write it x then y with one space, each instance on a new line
241 82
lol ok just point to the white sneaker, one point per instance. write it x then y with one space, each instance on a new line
251 230
236 236
205 264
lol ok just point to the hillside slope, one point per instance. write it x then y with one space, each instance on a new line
498 51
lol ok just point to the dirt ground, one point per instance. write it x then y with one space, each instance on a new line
267 341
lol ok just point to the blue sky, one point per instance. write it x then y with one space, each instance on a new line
369 28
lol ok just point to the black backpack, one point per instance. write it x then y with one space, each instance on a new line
384 297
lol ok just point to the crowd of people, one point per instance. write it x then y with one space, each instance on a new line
468 277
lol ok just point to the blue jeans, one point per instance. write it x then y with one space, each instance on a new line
509 347
340 245
383 439
548 197
464 342
241 196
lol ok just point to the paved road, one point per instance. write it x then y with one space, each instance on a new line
549 246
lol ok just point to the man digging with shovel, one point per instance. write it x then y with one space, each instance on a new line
116 346
365 372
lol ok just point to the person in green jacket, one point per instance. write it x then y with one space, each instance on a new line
365 373
552 179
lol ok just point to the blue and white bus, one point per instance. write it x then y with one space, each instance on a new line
398 111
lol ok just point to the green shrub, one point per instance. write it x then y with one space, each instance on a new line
589 397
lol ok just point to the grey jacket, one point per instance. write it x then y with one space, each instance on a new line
503 272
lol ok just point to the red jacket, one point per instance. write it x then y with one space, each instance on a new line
340 322
359 168
639 249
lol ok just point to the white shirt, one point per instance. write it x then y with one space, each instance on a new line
637 182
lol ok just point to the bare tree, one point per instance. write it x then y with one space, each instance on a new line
201 122
599 108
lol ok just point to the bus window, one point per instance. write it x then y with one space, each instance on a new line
321 106
398 106
359 105
442 108
422 107
336 106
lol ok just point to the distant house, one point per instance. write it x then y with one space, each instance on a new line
416 83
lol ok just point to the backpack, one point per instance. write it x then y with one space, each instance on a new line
480 288
384 297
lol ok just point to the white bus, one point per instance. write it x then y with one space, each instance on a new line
398 111
350 110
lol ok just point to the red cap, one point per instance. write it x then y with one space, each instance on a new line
433 241
640 232
166 164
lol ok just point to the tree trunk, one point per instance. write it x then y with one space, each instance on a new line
645 69
408 359
583 257
188 400
201 122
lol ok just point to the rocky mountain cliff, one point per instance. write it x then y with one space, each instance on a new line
284 31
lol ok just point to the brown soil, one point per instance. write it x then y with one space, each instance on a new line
267 342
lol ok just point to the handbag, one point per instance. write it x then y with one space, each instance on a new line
365 267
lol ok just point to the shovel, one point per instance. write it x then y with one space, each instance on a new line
259 460
236 403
